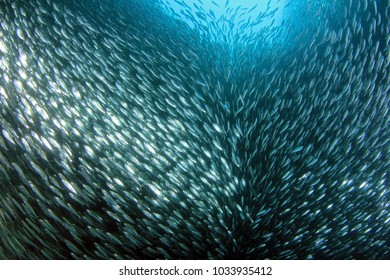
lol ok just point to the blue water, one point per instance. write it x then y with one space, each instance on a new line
235 13
229 20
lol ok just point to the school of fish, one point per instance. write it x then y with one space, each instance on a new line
126 134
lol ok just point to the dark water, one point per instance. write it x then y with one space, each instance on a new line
127 133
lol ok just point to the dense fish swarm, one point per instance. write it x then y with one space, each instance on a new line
127 134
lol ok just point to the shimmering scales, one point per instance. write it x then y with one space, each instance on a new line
128 133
